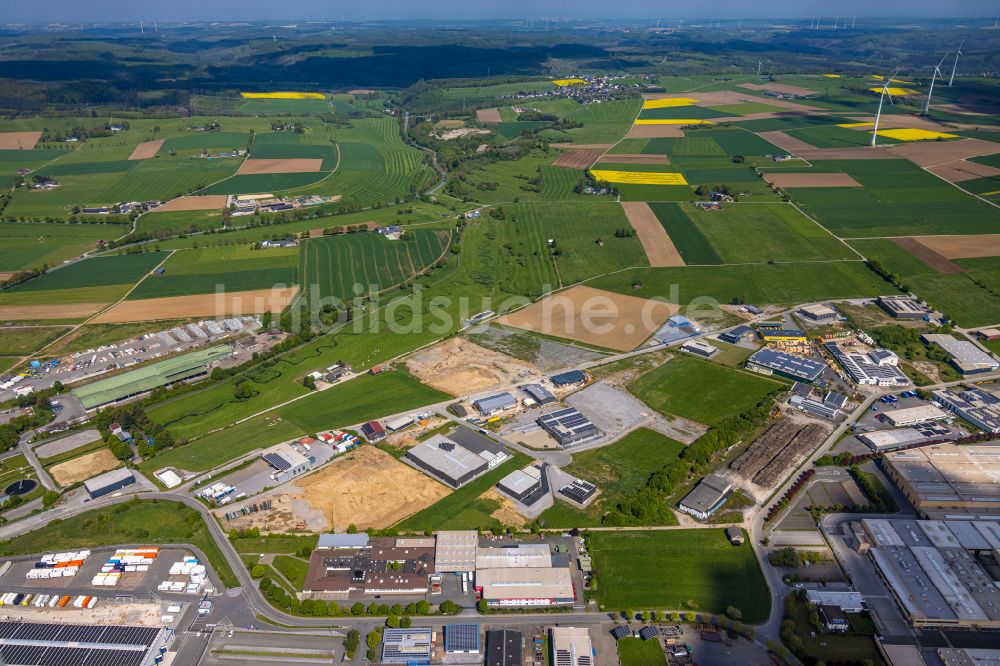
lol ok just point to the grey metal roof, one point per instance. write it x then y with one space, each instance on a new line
495 402
793 365
342 540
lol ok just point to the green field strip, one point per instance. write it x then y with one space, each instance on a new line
95 272
690 242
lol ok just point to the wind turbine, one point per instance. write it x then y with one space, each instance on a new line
955 66
885 91
937 73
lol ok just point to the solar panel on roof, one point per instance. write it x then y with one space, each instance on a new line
277 462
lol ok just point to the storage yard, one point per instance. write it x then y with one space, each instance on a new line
772 455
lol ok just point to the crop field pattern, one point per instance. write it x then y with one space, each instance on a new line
338 264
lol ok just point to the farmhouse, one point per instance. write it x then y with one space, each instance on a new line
878 367
965 356
135 383
978 407
902 307
452 462
770 362
495 404
569 427
706 498
525 586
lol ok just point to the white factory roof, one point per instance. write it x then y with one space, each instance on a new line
525 583
456 550
513 557
909 415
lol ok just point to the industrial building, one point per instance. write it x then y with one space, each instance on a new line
900 418
834 620
342 541
571 646
461 639
525 485
889 440
383 566
495 404
879 367
579 491
568 379
943 480
525 586
109 482
373 431
968 656
30 643
455 463
966 357
706 497
407 646
770 362
286 461
504 647
457 551
569 427
819 314
978 407
933 570
135 383
902 307
541 395
521 556
735 335
699 348
814 407
849 602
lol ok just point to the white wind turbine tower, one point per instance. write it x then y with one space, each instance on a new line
955 66
878 115
937 73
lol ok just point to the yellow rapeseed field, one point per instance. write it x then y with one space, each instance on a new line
673 121
911 134
668 103
853 125
832 76
639 177
569 82
879 78
898 92
283 95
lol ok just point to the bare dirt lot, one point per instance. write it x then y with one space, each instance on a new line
451 134
655 132
186 203
938 262
961 170
782 88
74 311
656 243
82 468
461 367
791 180
962 247
146 150
928 153
19 140
365 487
297 165
507 514
490 116
577 159
633 158
201 305
594 317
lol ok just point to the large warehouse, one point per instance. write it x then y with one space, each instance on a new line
156 375
770 362
879 367
525 586
457 551
109 482
455 463
31 643
944 480
932 569
383 566
569 427
978 407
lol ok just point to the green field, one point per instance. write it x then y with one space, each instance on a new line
179 222
701 390
337 265
689 240
464 509
150 522
26 339
196 142
233 268
619 470
263 182
754 283
25 245
637 652
898 198
695 570
284 107
95 272
602 123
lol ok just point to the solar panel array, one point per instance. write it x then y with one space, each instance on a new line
568 424
47 644
40 655
277 462
78 633
579 491
461 638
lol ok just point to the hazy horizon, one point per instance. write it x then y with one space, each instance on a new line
57 11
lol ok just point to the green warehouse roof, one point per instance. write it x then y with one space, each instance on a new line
149 377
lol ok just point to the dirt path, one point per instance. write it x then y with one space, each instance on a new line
656 243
